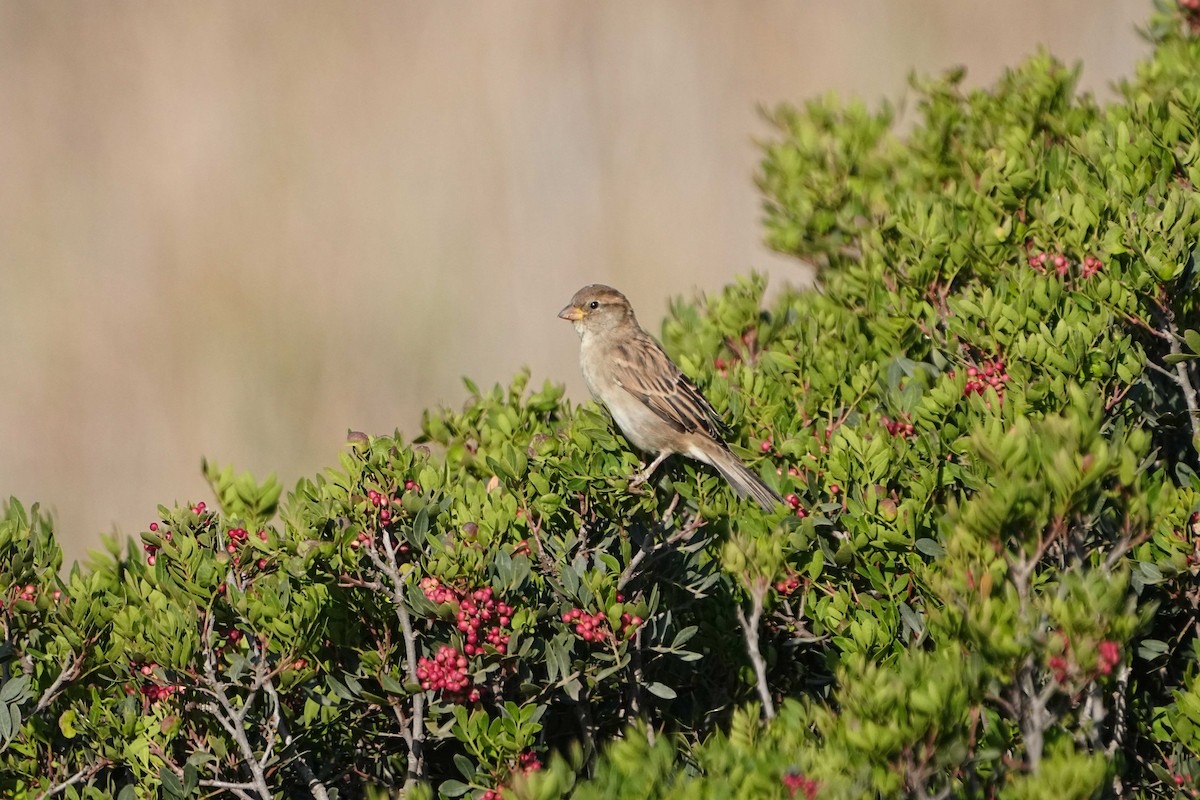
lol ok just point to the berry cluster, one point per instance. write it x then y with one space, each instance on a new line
794 501
1062 265
1181 778
1059 666
796 782
749 340
991 374
480 610
377 500
589 627
28 593
1191 16
237 537
152 549
437 592
527 762
447 672
199 508
897 428
1109 656
152 691
788 585
629 624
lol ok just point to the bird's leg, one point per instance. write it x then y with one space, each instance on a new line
644 475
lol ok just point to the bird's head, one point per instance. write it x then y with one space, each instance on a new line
597 307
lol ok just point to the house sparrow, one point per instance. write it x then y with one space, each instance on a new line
654 404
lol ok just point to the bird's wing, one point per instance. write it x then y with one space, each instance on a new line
642 368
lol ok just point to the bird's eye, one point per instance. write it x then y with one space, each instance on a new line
594 305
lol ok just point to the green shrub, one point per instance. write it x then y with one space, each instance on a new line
984 582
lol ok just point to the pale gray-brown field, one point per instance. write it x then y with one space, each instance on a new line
237 229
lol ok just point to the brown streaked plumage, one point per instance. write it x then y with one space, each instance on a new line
655 405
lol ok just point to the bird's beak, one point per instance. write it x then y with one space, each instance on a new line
572 313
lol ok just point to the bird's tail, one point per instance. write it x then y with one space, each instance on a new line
743 481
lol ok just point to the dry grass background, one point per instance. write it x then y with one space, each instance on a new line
238 229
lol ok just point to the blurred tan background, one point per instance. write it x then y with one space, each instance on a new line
237 229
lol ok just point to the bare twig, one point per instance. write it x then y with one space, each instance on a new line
239 789
82 775
1120 727
758 592
315 787
390 568
1034 716
1183 377
230 718
1126 543
650 547
69 672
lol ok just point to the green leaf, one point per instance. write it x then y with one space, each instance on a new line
14 688
661 690
453 788
465 766
684 636
170 782
390 684
1150 649
191 778
66 723
1192 338
930 548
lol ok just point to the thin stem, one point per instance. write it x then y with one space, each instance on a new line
391 569
238 789
84 774
758 592
70 670
315 787
231 719
1183 377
